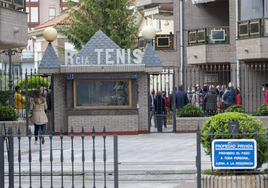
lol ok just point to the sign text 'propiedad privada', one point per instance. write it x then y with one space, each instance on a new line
234 154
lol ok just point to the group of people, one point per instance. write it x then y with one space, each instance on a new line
210 99
40 103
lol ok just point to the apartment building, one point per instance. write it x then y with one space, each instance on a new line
41 11
222 41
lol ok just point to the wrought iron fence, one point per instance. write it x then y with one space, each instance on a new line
254 133
249 80
59 161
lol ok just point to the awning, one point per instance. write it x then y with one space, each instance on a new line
151 11
201 1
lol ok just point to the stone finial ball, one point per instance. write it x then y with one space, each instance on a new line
148 32
50 34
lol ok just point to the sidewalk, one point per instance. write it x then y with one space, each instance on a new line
150 160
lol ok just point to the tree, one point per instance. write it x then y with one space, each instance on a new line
113 17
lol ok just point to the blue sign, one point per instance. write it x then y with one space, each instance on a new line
134 75
234 154
70 76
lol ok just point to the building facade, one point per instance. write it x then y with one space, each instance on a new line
222 41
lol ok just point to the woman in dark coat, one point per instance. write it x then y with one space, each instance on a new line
211 101
160 108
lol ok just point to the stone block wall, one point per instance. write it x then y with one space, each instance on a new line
189 124
112 123
60 106
15 126
143 101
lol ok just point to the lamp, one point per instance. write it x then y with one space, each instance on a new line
50 34
148 33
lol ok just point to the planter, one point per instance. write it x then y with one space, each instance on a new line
245 181
189 124
15 125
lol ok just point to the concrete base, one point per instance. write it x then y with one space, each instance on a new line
189 124
14 125
250 181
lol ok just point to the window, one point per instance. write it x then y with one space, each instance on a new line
217 35
34 14
201 35
251 9
102 94
52 12
192 37
158 24
27 10
163 42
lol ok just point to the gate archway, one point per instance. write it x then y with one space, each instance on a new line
162 84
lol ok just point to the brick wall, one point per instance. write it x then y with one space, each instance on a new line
60 107
143 101
112 123
189 124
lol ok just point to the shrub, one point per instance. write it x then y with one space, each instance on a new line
190 111
4 97
235 108
34 82
249 122
8 113
262 110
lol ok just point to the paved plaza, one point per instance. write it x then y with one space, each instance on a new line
165 160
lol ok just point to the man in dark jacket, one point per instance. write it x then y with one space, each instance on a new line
229 97
171 100
181 98
211 101
48 100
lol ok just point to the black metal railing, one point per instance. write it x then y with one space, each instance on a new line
253 28
59 161
216 35
254 133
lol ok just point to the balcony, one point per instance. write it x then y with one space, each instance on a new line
141 3
208 45
160 9
252 43
13 25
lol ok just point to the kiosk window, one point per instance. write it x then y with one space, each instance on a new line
92 94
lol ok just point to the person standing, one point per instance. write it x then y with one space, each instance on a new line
38 106
265 89
19 101
171 99
197 98
160 106
211 101
166 108
238 97
152 107
229 97
181 98
48 100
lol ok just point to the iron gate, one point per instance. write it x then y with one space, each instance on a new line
161 83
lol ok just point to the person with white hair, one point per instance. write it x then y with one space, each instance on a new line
229 97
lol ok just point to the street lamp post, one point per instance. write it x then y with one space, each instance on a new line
10 52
